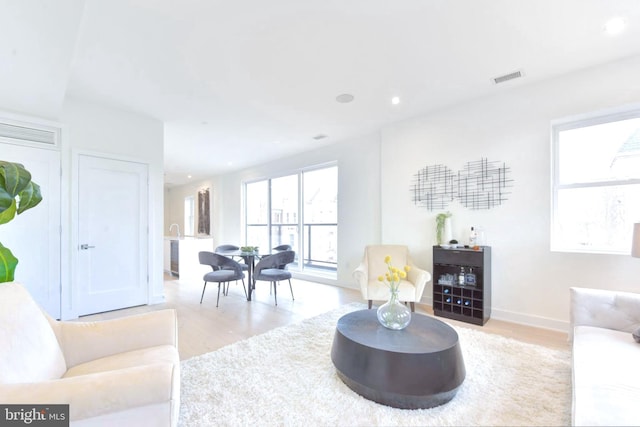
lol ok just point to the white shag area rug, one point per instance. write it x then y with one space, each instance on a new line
285 377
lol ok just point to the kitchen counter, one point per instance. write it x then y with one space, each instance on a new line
188 266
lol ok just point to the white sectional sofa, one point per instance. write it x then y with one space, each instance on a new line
606 358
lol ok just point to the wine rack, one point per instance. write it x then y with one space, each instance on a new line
468 299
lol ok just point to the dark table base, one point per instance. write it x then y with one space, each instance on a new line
397 400
415 368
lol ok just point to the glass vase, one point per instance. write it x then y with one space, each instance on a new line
393 314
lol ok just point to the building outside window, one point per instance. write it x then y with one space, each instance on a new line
596 183
300 210
257 214
321 217
284 204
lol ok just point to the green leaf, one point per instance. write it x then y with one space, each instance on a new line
7 213
8 264
29 197
13 177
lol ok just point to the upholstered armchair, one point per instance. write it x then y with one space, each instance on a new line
373 265
123 372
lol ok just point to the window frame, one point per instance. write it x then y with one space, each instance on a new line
557 245
301 256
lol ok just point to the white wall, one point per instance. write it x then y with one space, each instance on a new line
358 198
90 127
530 283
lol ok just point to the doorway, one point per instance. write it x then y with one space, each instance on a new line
112 245
34 236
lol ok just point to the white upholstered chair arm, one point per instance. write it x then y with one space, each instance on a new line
85 341
604 308
97 394
361 275
419 278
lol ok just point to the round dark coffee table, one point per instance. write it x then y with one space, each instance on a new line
418 367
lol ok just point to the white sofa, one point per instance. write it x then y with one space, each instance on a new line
123 372
606 358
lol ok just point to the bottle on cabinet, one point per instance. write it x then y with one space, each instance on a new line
461 277
473 237
470 277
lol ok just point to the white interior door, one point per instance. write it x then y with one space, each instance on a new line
112 234
34 236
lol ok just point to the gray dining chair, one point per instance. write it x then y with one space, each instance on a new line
243 265
281 248
269 269
224 270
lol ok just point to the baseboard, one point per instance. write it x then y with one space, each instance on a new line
530 320
159 299
325 280
504 315
521 319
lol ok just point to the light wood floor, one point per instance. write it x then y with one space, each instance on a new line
204 328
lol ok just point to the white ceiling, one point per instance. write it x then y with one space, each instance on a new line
241 82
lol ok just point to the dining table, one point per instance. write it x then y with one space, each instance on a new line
249 258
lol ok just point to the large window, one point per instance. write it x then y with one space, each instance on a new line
596 183
284 211
257 214
300 210
321 217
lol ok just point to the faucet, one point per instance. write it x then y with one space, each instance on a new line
177 226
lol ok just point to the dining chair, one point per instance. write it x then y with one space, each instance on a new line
269 270
281 248
229 248
224 270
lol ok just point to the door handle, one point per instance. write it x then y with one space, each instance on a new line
85 246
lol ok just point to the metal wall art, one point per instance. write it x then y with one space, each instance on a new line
481 184
433 187
204 220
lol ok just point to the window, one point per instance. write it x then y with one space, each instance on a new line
596 183
189 215
321 217
300 210
284 211
257 214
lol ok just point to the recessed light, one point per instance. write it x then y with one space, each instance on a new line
229 163
188 176
320 136
614 26
395 100
345 98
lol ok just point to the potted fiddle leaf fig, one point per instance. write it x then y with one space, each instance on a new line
17 194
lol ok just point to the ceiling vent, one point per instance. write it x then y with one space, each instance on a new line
319 137
507 77
31 134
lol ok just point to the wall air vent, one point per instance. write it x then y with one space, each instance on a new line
319 137
507 77
29 134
